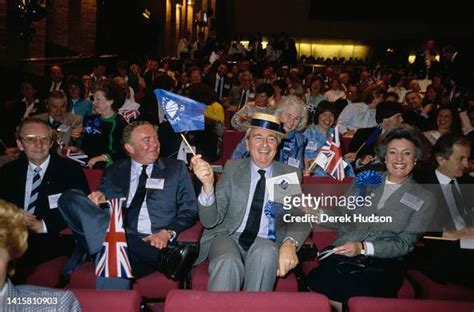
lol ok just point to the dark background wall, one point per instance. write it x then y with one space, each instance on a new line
400 21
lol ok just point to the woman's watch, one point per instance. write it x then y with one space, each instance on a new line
292 240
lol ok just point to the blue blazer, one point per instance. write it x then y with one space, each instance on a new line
173 207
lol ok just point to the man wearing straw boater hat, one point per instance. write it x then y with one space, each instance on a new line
245 250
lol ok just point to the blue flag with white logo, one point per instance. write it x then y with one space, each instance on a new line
183 114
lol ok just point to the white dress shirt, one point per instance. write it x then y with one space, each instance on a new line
144 222
356 116
29 180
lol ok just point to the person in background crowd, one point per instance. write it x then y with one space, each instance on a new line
103 130
78 100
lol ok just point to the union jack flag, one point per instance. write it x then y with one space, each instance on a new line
129 114
113 258
330 157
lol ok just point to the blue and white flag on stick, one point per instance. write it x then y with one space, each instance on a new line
183 114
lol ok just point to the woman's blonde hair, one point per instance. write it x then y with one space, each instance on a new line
13 230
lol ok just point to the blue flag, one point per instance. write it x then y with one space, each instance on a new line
373 136
183 114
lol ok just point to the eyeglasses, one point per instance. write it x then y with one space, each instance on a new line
32 139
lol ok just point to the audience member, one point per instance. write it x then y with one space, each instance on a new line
244 249
160 205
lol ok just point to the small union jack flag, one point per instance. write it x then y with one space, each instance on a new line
330 157
113 258
129 114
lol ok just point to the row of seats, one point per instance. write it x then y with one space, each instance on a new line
197 301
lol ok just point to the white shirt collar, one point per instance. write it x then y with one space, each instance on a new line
268 170
43 166
443 179
137 168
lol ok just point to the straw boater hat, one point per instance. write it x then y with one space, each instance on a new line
267 121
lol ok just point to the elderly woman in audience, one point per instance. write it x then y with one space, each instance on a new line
103 130
316 136
241 120
78 101
294 116
13 244
447 121
364 259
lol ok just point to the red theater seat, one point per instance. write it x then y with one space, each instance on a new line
93 177
153 286
363 304
191 235
200 301
47 274
102 300
229 142
430 289
200 277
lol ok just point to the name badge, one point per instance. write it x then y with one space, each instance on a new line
293 162
251 95
156 184
312 146
63 128
227 86
412 201
53 200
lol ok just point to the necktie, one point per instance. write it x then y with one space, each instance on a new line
461 207
35 184
220 86
134 209
55 124
253 222
243 99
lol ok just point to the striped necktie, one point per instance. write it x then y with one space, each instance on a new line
34 190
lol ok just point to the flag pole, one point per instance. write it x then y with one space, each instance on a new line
312 165
187 143
360 148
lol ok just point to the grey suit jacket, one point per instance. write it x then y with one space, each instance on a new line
411 208
69 121
228 210
38 299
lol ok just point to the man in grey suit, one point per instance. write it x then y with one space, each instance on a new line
239 95
238 238
68 126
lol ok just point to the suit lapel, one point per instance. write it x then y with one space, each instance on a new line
125 181
242 184
22 182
